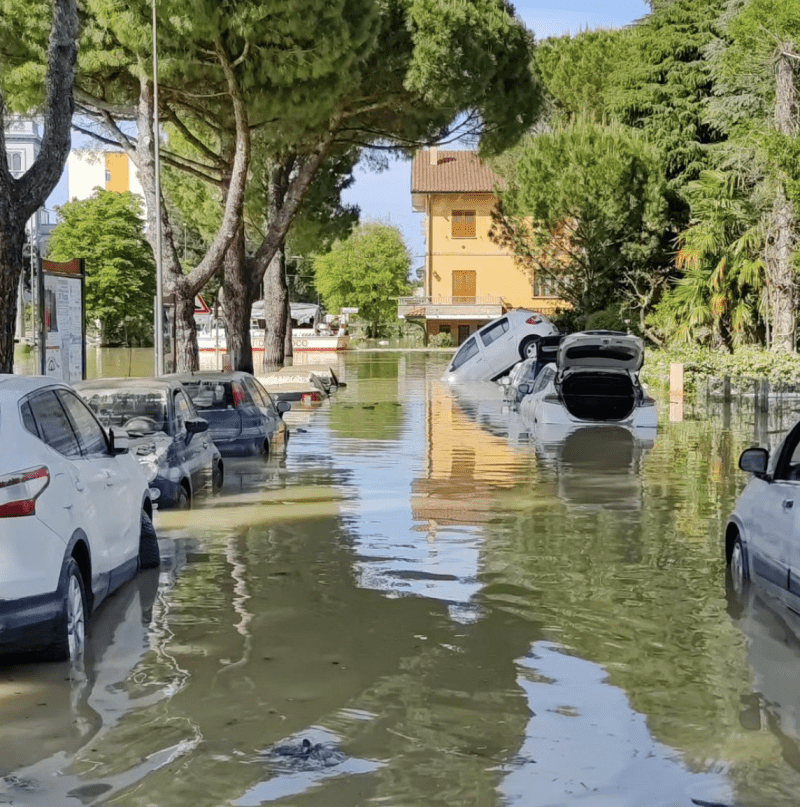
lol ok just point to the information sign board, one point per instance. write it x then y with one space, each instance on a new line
62 318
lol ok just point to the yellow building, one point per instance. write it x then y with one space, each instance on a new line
88 169
469 280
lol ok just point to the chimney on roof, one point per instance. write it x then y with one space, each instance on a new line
434 152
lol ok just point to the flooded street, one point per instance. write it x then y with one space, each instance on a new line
462 611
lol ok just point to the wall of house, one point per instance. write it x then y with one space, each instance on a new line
86 169
496 273
116 178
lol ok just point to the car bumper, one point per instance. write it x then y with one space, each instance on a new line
29 623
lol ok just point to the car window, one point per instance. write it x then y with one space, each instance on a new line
494 331
28 420
183 410
90 433
268 402
465 353
54 426
543 379
206 394
116 406
250 386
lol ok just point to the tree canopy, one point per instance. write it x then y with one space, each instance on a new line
368 270
106 231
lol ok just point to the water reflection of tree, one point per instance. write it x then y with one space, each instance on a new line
642 593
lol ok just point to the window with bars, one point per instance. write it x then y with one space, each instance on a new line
15 161
463 223
545 285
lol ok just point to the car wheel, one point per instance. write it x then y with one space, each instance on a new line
738 568
71 636
149 555
217 477
183 501
527 347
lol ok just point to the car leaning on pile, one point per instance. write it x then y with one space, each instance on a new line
761 544
496 347
164 432
75 517
242 417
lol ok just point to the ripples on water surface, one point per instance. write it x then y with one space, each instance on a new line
475 613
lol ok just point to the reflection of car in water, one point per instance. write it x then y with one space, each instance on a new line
164 431
772 640
497 346
596 466
594 380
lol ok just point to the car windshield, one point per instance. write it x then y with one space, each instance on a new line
137 410
207 394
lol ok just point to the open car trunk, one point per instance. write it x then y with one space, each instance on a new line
598 396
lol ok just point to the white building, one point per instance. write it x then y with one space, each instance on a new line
23 143
88 169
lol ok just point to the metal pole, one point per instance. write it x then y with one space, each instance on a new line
159 363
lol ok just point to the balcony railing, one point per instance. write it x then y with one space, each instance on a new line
438 307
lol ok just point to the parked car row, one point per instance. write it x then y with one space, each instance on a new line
82 470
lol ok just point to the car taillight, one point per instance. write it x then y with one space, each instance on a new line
19 491
535 319
310 397
238 394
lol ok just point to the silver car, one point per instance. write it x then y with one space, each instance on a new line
494 349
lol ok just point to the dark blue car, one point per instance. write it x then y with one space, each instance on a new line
243 419
163 431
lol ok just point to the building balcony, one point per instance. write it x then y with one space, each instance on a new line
450 308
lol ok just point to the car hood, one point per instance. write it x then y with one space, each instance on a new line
600 350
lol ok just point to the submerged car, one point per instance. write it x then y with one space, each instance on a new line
296 383
494 349
75 511
163 431
593 380
519 382
243 419
761 544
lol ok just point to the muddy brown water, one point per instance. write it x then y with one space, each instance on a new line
472 611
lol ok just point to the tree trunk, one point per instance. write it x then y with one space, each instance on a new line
20 198
288 347
276 295
780 272
237 304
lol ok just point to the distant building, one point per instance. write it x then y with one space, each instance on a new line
94 168
23 143
468 279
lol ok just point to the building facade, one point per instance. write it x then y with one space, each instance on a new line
468 279
94 168
23 143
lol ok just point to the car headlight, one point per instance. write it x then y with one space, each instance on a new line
150 469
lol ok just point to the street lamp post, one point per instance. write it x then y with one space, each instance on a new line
159 318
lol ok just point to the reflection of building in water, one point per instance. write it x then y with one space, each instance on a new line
465 465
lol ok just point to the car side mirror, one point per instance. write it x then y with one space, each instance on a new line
283 407
754 461
118 445
525 388
194 426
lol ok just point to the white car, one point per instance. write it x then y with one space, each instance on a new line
493 350
75 517
593 380
761 543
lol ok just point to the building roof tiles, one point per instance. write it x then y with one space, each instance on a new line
452 172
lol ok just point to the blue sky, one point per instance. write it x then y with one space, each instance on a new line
386 196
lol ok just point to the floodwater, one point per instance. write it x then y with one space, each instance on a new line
471 612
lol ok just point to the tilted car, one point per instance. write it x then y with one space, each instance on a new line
761 543
496 347
164 432
75 517
593 380
243 419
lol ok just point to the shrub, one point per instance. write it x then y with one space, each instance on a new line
442 339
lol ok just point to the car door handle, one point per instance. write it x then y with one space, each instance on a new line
787 504
109 479
76 480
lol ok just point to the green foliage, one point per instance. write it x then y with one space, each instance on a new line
368 270
106 230
716 300
745 365
441 339
575 72
586 204
663 84
609 319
